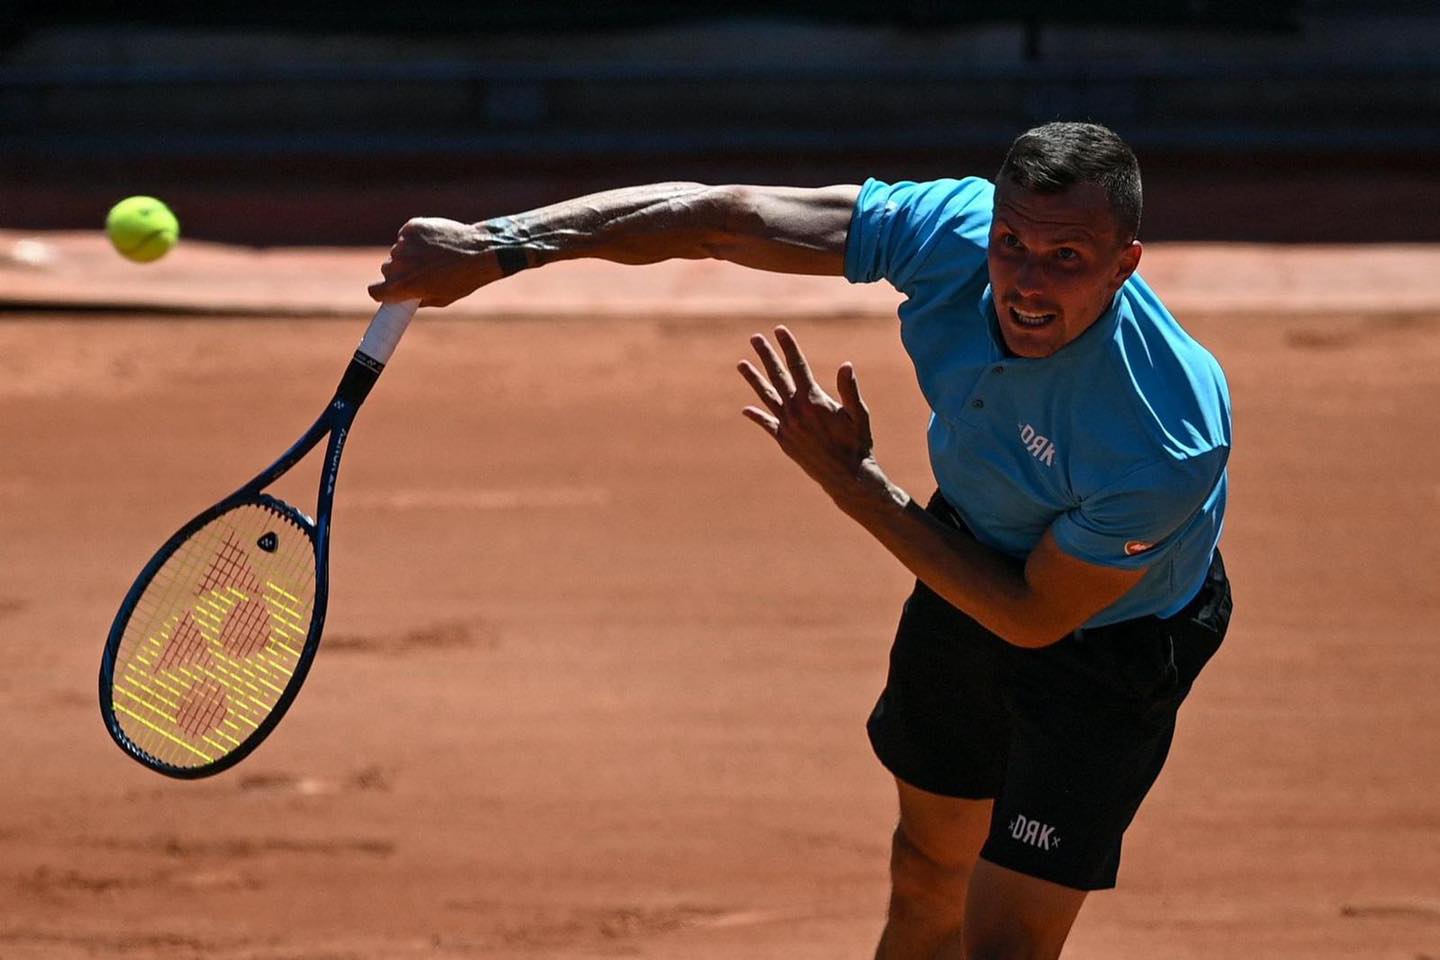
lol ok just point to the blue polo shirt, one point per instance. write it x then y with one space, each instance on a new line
1117 441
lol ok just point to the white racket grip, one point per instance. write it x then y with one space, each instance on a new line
387 328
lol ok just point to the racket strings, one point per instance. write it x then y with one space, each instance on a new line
229 567
214 639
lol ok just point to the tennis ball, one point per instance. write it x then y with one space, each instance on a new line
142 228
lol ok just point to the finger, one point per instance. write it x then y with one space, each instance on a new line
761 386
796 361
779 376
767 423
387 289
848 385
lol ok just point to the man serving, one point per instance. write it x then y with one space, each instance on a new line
1069 588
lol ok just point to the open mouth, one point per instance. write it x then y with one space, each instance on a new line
1030 321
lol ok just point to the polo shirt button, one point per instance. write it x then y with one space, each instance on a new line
997 369
977 404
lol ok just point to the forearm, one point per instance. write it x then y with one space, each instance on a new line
788 230
1029 603
986 584
643 224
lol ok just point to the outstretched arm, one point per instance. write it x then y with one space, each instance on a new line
782 229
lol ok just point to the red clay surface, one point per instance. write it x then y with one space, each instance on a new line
599 657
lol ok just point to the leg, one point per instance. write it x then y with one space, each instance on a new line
1095 716
931 858
1011 916
941 728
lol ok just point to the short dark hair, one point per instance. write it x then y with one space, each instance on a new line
1053 157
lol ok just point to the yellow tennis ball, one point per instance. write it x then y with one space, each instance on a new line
142 228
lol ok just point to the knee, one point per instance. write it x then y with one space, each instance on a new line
1012 916
1006 951
918 874
1014 938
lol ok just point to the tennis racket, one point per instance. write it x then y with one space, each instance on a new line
217 633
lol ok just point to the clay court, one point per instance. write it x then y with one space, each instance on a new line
598 657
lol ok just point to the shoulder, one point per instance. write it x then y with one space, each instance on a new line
1173 386
910 232
919 201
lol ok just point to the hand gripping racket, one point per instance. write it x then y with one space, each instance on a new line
216 635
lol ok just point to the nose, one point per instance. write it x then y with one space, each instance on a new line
1028 277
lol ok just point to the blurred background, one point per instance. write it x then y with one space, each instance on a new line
282 123
615 653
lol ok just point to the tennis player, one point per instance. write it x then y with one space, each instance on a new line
1069 584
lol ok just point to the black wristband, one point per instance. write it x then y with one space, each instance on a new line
511 254
512 260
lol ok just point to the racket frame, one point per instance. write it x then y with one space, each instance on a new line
359 377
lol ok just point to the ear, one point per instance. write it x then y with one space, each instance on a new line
1127 264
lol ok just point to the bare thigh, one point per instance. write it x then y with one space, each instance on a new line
1006 913
949 831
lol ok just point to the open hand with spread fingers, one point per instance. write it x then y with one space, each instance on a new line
829 439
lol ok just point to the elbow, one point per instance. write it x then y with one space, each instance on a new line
731 204
1030 638
1017 618
732 212
1034 630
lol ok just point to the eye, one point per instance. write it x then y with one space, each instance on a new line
1010 240
1067 253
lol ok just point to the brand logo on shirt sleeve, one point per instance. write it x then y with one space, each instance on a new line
1039 447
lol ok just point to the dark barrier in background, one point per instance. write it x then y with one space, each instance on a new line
1308 144
16 19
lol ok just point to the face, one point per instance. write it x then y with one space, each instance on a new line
1056 261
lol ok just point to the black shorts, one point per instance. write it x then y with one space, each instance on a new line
1067 739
